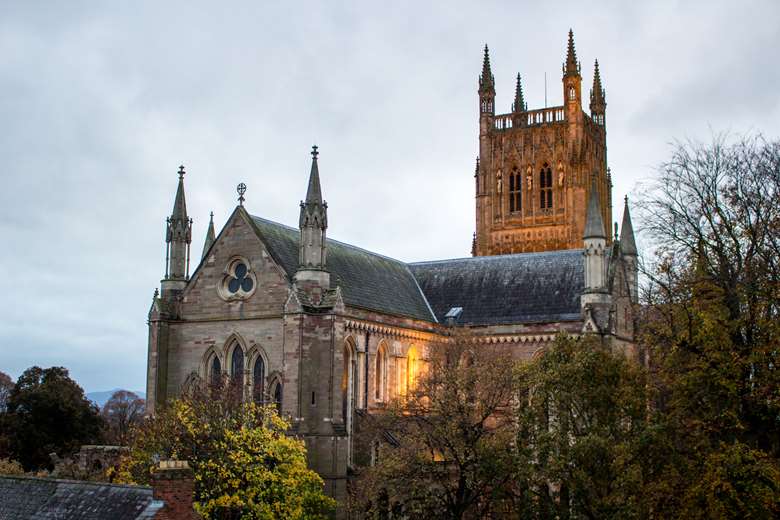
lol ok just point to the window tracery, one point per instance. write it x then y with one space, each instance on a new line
239 281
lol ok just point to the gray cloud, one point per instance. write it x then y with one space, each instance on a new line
101 102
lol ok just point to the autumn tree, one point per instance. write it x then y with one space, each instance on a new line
445 450
47 412
245 464
711 326
122 413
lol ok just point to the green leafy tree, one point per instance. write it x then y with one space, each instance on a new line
49 413
445 450
245 464
582 430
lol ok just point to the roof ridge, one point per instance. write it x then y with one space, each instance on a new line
69 481
495 257
333 240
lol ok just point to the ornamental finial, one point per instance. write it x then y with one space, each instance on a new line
181 171
314 152
241 189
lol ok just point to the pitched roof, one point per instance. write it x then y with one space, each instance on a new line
367 280
28 497
520 288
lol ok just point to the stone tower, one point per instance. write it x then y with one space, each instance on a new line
534 170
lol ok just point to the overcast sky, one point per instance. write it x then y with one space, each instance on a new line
101 101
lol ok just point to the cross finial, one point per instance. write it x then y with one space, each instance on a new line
211 214
240 189
625 199
314 152
181 171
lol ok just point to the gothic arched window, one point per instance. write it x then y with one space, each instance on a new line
215 371
545 188
380 374
237 365
411 369
258 379
515 190
277 395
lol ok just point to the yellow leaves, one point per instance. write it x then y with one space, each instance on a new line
244 464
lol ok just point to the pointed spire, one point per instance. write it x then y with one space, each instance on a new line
486 82
627 242
210 236
571 68
594 223
519 104
313 209
180 204
314 192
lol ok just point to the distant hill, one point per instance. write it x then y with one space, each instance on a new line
100 398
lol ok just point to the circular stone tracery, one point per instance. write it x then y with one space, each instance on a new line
239 281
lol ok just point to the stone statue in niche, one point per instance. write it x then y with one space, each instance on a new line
498 181
529 178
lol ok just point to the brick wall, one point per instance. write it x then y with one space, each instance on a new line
174 484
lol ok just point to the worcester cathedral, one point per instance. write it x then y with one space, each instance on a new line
331 332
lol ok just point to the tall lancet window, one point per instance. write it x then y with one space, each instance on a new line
237 366
515 190
277 396
215 371
380 374
545 188
258 379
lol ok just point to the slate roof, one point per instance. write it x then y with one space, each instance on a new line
367 280
38 498
492 290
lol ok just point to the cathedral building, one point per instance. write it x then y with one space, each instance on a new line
330 332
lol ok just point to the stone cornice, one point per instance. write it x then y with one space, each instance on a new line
390 330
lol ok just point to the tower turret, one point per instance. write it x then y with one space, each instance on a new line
595 242
487 89
572 81
598 98
313 222
178 237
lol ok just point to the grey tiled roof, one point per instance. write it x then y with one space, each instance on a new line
36 498
367 280
521 288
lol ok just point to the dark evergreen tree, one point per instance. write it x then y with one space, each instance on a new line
49 413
